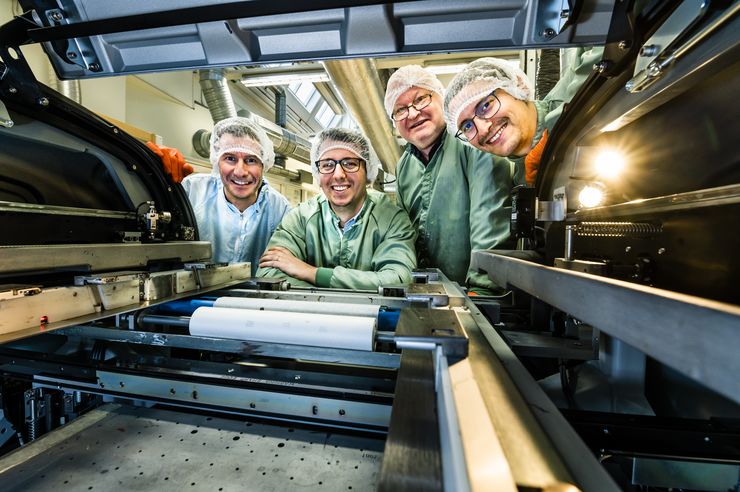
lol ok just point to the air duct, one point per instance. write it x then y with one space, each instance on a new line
221 106
216 94
359 85
281 118
68 88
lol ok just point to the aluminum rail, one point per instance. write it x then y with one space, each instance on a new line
697 337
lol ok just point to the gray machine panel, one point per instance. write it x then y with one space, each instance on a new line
243 33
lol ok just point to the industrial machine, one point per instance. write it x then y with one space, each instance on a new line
610 363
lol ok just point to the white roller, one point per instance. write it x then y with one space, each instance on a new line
320 330
298 306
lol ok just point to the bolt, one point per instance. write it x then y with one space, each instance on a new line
624 45
115 130
602 66
564 14
706 439
121 383
661 251
653 70
133 167
315 410
43 101
172 391
71 55
195 395
606 431
94 67
102 385
13 90
628 249
56 15
548 33
7 123
252 405
341 411
649 50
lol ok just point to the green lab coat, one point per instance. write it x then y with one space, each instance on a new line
579 64
459 202
378 249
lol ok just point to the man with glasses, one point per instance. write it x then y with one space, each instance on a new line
235 208
348 237
457 197
490 105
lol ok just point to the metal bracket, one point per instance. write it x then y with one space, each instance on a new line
77 50
17 80
660 50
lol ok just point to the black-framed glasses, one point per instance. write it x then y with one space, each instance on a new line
349 165
418 104
485 110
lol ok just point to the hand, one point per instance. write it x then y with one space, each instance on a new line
282 259
172 161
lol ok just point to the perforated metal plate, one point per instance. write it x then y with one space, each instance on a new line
132 448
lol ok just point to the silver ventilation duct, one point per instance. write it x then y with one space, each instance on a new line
217 95
358 82
221 105
68 88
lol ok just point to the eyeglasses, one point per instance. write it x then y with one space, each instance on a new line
418 104
485 110
349 165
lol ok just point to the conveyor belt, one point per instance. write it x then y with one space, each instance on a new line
134 448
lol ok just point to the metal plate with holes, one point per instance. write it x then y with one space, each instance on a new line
134 448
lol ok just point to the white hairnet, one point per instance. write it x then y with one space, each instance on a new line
251 139
407 77
350 140
478 79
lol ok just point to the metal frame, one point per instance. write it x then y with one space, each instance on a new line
695 336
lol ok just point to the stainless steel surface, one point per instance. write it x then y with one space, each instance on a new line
283 405
454 471
57 210
695 336
359 85
725 195
98 256
46 328
569 231
315 295
657 68
685 14
540 446
134 448
685 475
349 357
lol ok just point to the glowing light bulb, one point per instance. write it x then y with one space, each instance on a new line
591 196
609 163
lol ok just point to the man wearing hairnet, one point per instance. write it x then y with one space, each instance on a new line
235 208
348 237
457 197
490 105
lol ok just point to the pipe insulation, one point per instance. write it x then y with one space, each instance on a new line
286 305
319 330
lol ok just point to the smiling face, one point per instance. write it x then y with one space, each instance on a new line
241 172
345 191
421 128
509 132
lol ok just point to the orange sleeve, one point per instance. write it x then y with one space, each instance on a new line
532 160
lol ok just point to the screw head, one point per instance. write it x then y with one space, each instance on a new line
43 101
548 33
602 66
13 90
71 55
628 249
56 15
624 44
661 251
94 67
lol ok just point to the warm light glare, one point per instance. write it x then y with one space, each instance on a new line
591 196
609 163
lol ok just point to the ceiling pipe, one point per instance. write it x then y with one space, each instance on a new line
358 83
68 88
221 106
281 118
